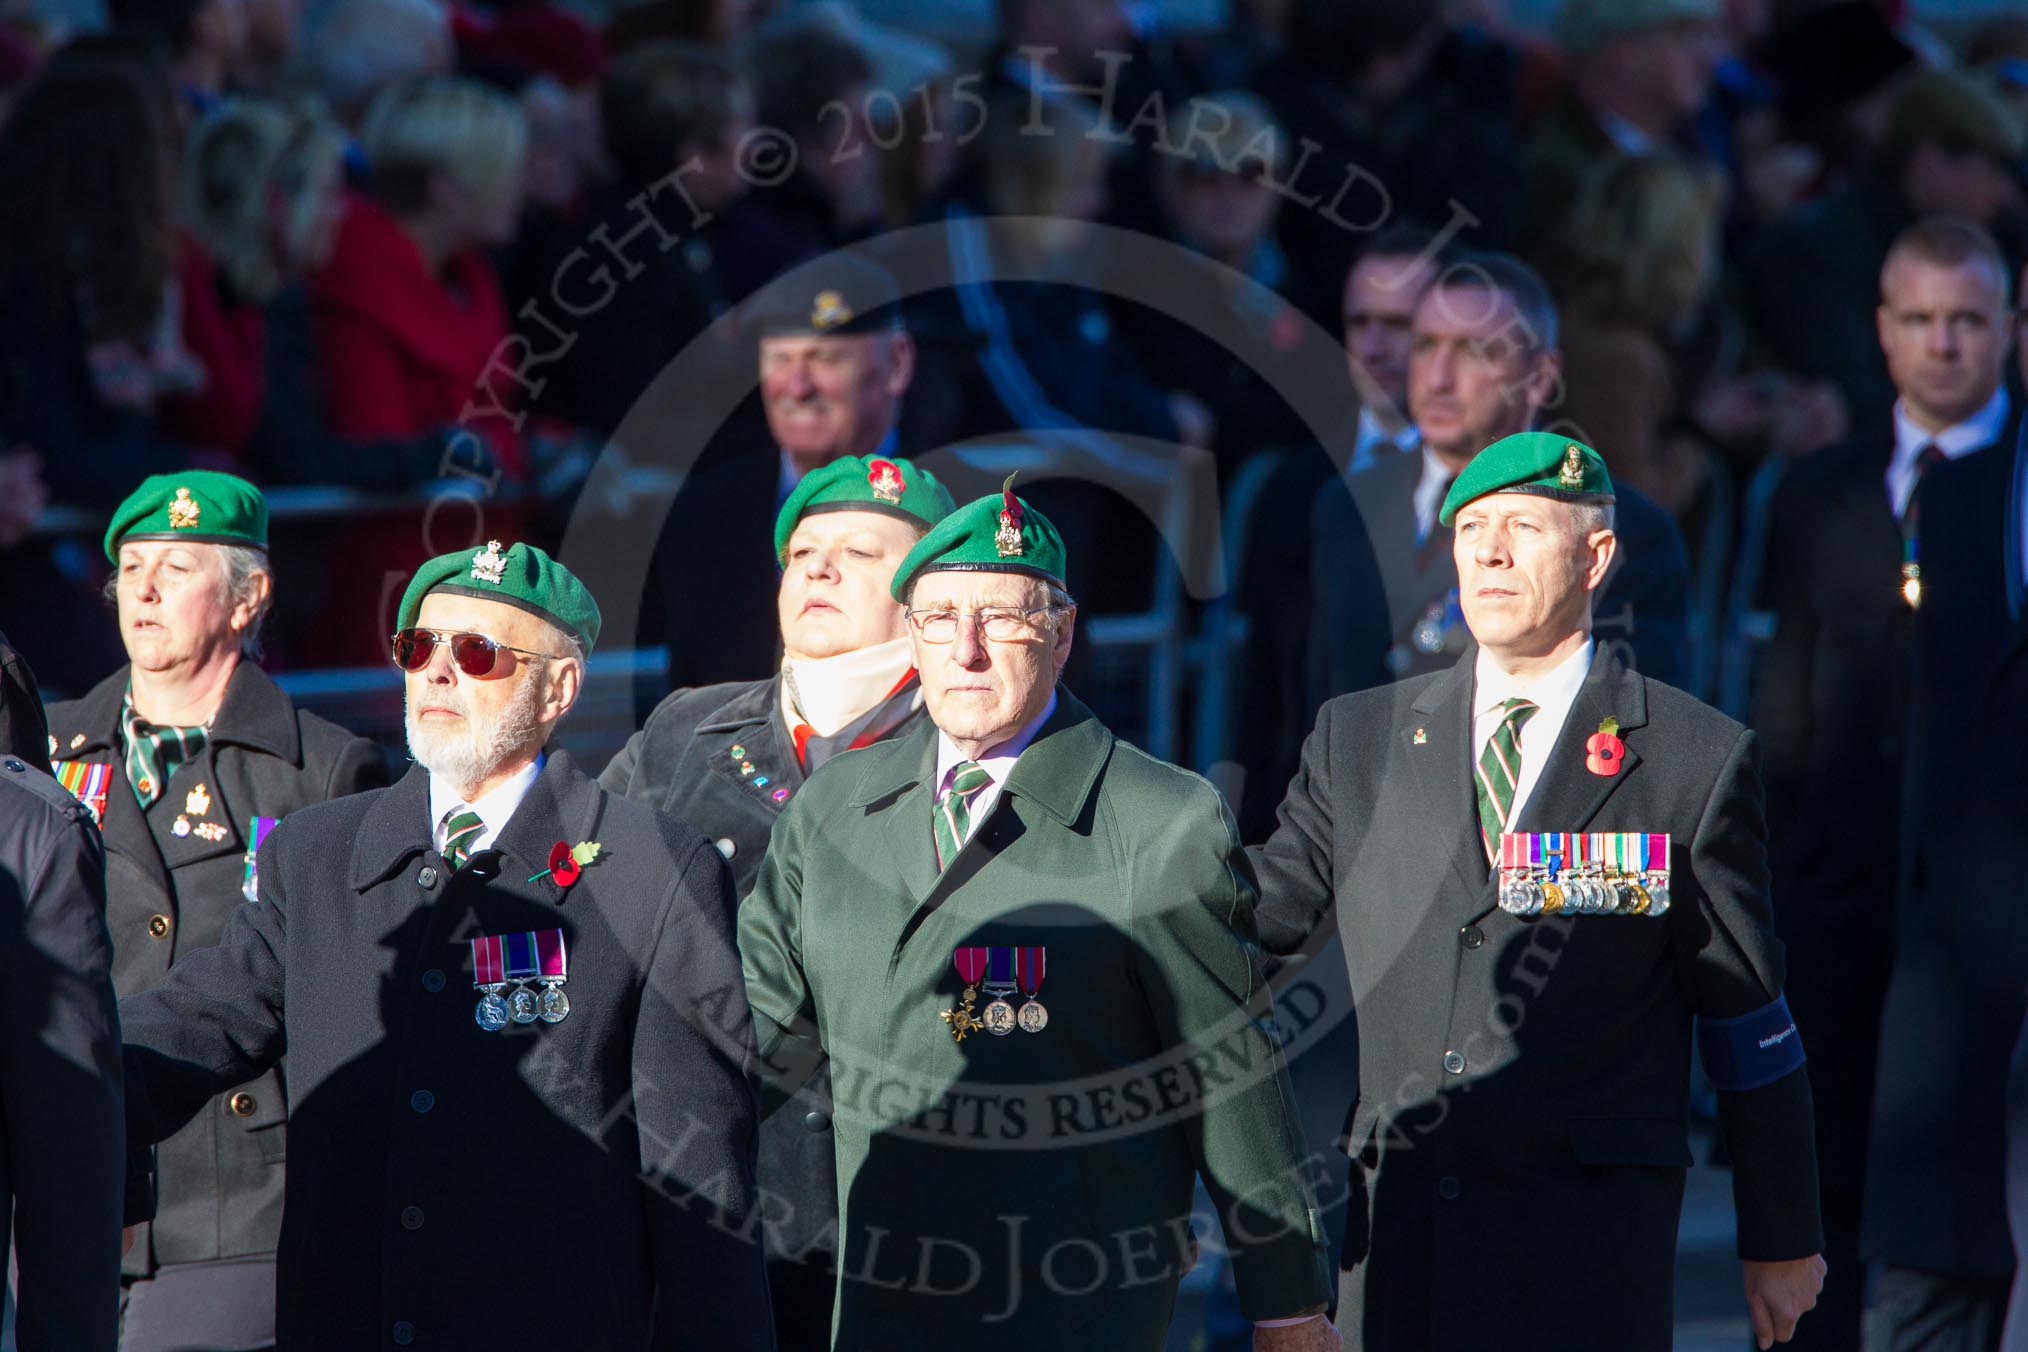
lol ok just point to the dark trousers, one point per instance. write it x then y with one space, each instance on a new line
802 1295
1916 1311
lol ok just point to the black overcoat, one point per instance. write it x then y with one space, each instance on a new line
581 1184
1524 1084
219 1180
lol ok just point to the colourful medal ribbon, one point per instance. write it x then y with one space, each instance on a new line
1658 852
1553 848
486 964
550 955
520 956
257 829
999 970
1029 963
971 964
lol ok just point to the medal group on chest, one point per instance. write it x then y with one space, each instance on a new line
1584 873
999 971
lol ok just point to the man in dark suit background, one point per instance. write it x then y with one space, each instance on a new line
1935 1213
1832 697
1483 363
835 362
1523 1078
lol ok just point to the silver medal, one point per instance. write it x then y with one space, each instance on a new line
999 1018
522 1006
1033 1017
492 1011
553 1005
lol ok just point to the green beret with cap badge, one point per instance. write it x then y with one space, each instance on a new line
860 483
199 506
518 575
999 533
1538 463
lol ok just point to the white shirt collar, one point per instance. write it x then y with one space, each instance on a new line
495 808
1372 442
1554 691
1429 492
998 762
1981 429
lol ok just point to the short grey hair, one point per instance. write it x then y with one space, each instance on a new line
1592 516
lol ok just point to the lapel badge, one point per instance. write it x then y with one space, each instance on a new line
829 311
1008 538
184 511
181 828
568 861
210 831
198 801
489 564
75 742
1421 737
1571 476
1603 750
884 478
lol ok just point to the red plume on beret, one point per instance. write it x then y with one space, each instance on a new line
1010 506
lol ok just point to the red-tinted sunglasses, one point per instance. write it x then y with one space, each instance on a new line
475 654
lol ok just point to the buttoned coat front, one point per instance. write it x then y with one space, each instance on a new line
584 1184
219 1180
1524 1083
1033 1189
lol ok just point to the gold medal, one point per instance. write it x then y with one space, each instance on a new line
1552 898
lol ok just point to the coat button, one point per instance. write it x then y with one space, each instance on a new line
158 925
1448 1188
422 1100
815 1120
434 981
1454 1062
727 846
242 1105
428 876
15 766
404 1333
1473 936
411 1218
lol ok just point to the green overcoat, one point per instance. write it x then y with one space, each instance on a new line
1016 1191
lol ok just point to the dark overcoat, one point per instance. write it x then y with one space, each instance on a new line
682 763
219 1180
1524 1084
1935 1194
61 1137
587 1183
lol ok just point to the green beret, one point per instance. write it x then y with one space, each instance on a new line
1582 25
836 294
1537 463
997 534
858 483
516 575
202 506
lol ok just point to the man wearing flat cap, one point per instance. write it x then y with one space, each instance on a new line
834 363
728 758
186 757
520 1064
1028 951
1545 869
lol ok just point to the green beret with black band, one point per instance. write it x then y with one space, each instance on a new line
997 534
516 575
858 483
198 506
1537 463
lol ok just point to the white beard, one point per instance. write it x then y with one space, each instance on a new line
465 757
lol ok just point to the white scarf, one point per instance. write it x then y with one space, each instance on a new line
830 692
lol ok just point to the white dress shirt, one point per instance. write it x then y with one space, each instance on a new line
1552 693
997 763
494 808
1981 429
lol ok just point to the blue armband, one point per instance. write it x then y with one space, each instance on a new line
1750 1050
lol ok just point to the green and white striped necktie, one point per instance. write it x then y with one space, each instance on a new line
461 828
951 818
1500 771
153 751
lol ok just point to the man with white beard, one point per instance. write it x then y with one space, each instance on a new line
518 1044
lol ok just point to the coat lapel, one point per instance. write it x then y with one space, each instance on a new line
1567 795
1442 717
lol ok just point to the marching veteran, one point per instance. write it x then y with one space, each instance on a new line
1545 868
727 759
1025 1176
521 1066
186 757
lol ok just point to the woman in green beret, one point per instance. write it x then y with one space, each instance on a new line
186 757
727 758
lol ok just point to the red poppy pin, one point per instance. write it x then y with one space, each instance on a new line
1604 750
567 861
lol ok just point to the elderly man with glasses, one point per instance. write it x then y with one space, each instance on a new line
1028 949
521 1067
